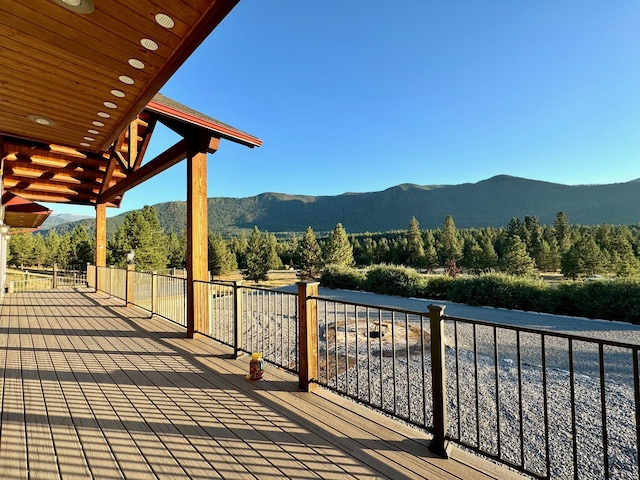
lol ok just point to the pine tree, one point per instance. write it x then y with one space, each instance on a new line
310 256
488 259
415 244
449 247
430 253
516 260
584 257
257 257
271 244
141 232
177 249
82 251
221 260
563 232
471 254
338 250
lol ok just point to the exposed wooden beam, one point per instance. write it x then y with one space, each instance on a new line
133 144
108 174
162 162
121 161
149 128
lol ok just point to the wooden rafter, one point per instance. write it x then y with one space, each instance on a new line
162 162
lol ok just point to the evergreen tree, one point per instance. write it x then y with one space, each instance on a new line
82 251
257 257
415 244
271 244
177 249
141 232
238 246
516 260
449 247
338 250
471 254
430 253
21 249
310 256
383 251
488 259
563 232
583 258
221 260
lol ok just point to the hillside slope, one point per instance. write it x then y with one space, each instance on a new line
491 202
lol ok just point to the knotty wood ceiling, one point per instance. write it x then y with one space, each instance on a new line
62 74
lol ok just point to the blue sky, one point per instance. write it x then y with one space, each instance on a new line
357 96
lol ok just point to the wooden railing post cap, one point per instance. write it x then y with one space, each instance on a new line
308 282
433 308
238 283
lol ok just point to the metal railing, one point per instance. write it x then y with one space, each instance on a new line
551 405
57 278
377 356
270 326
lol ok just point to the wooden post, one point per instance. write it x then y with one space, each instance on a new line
54 284
438 444
308 341
237 317
101 242
197 238
130 286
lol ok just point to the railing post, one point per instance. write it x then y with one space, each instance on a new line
308 331
237 317
154 292
129 286
438 444
55 276
110 280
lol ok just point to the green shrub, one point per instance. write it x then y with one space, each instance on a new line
503 291
339 276
437 288
609 300
393 280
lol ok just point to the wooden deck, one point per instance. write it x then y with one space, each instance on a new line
91 389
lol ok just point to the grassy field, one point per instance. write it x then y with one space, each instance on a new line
277 278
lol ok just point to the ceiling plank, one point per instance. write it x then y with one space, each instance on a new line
162 162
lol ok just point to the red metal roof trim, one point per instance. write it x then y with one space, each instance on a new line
208 123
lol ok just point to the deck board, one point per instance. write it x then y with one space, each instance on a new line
93 389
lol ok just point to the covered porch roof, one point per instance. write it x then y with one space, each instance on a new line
79 99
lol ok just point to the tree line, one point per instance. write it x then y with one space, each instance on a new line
520 248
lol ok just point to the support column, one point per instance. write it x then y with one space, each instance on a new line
101 241
197 238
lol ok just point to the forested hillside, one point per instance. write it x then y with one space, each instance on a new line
491 202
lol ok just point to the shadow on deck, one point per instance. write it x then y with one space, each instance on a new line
92 389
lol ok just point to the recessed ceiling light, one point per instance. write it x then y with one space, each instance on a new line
149 44
110 105
39 119
93 132
135 63
90 139
117 93
126 80
165 20
97 123
104 115
77 6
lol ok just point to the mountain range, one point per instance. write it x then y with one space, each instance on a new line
492 202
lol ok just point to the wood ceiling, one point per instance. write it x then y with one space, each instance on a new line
72 94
